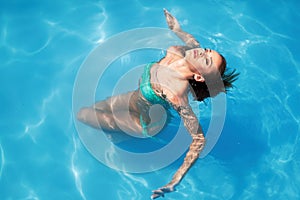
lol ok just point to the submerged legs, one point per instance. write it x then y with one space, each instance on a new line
115 114
128 113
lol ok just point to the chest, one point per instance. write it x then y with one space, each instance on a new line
167 83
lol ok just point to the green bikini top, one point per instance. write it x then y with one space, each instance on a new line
147 90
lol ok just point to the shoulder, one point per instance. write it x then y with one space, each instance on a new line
177 50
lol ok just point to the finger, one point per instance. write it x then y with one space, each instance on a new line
154 196
159 191
168 14
165 189
166 11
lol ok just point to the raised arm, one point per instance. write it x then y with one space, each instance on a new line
194 128
187 38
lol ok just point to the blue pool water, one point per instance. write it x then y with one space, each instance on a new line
44 43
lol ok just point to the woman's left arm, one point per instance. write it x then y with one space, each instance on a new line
187 38
194 128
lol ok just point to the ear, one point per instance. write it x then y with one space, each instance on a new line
199 77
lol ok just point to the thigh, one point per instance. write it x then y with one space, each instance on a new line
123 102
128 122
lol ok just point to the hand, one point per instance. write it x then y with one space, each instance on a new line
172 21
161 191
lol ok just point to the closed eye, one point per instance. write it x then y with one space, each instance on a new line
208 61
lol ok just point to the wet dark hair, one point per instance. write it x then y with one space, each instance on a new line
200 90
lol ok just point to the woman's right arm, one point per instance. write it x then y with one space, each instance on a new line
187 38
197 145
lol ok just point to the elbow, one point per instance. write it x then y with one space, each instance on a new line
198 142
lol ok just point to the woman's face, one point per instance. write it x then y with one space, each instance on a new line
205 61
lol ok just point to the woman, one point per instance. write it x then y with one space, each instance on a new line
167 82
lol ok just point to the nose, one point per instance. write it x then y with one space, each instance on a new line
207 50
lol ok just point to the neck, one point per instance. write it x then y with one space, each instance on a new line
166 61
179 65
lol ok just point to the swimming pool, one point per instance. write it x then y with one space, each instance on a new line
42 47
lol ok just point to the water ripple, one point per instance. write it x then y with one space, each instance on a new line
2 160
96 19
100 29
19 40
75 171
129 189
32 194
257 28
29 127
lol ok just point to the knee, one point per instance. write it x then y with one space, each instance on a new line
82 114
102 106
